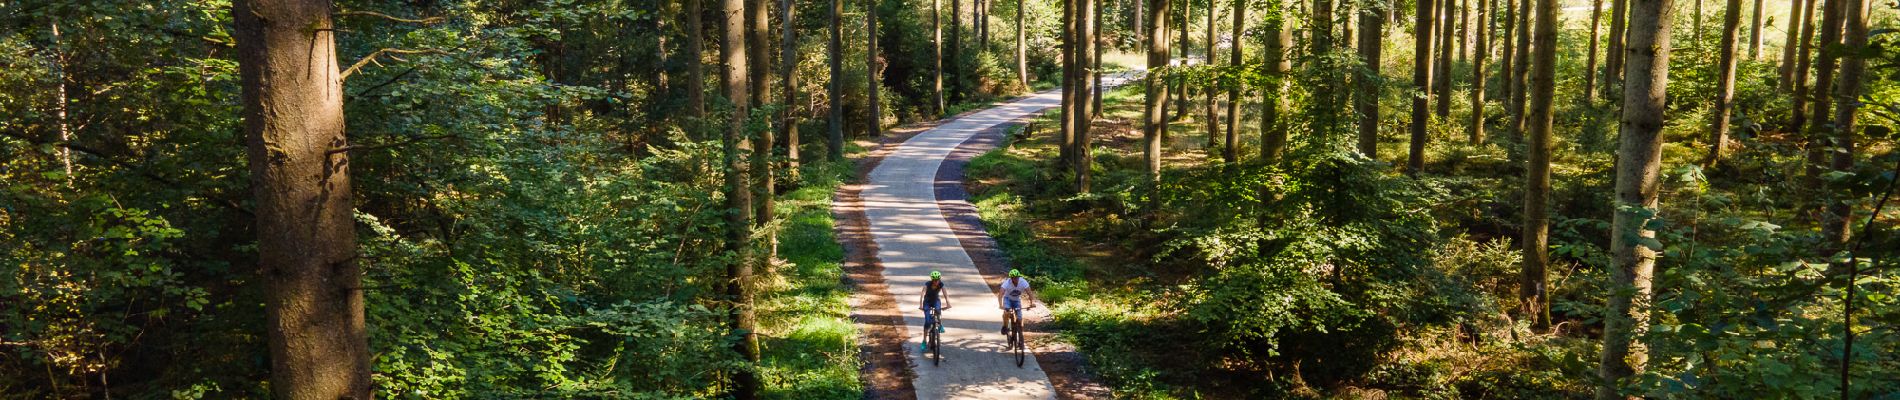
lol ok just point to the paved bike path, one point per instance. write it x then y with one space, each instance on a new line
913 238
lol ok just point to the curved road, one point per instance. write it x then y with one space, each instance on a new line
913 238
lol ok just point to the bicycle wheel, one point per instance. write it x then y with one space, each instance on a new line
1017 331
936 346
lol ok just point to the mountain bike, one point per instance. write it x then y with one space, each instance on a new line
1016 335
933 323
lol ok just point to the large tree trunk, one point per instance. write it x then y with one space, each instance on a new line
1639 163
1181 87
1754 32
1022 46
936 45
1231 152
1835 222
1520 70
1441 75
1464 29
306 233
1066 151
733 56
1208 105
1141 33
874 110
1273 132
1366 95
1590 67
758 35
834 141
788 86
1475 131
1533 293
1421 78
956 48
1084 18
1818 121
1153 115
1509 58
695 70
1803 63
1724 81
1613 55
1095 62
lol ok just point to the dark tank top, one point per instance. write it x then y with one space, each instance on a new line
931 291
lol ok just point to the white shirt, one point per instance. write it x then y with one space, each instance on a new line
1013 288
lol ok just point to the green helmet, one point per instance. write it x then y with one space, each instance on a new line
1015 273
934 275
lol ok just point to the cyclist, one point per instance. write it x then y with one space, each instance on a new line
933 296
1011 298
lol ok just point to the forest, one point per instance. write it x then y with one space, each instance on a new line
658 199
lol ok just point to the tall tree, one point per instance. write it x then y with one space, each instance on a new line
1273 132
956 48
1633 248
788 86
1421 79
1180 85
1208 105
758 37
1818 122
1231 153
1835 222
1803 63
292 95
874 112
1464 28
1084 54
1475 130
695 70
1066 151
1724 81
1366 95
1441 75
1613 54
1520 70
1095 62
735 77
834 140
1510 52
1155 104
1022 46
1590 66
1533 293
1754 32
936 45
1799 29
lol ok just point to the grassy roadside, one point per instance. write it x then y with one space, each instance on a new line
807 339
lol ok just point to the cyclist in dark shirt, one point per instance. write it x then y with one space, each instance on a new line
934 297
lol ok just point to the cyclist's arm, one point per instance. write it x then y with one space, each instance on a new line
943 296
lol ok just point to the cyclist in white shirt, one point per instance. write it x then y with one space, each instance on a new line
1011 298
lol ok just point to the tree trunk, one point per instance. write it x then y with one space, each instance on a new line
936 44
956 48
1095 62
1441 75
1066 151
1724 81
1803 63
695 70
1590 67
1421 78
1084 19
1154 113
1208 106
1366 97
734 56
60 107
1022 46
1817 130
1639 163
1520 69
1141 33
1273 132
1695 26
872 67
1835 222
1754 32
1543 87
1509 58
1464 29
788 85
1613 55
1231 153
1798 27
1475 131
758 35
306 233
1181 87
834 141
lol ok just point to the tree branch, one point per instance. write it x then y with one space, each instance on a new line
379 53
424 21
140 170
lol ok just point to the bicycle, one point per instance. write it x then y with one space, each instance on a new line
933 340
1016 335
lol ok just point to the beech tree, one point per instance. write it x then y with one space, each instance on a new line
300 177
1273 132
1633 243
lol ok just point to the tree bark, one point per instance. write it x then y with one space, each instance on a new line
834 140
1613 55
1441 75
1022 46
292 96
695 70
871 67
1590 66
1633 245
1084 18
1066 151
1153 116
1533 293
1798 24
936 44
1421 80
1520 69
758 37
1509 58
1095 61
1754 32
1231 152
956 49
1273 132
1835 223
1181 87
1366 97
1724 82
1803 63
735 74
788 86
1208 105
1475 131
60 106
1818 129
